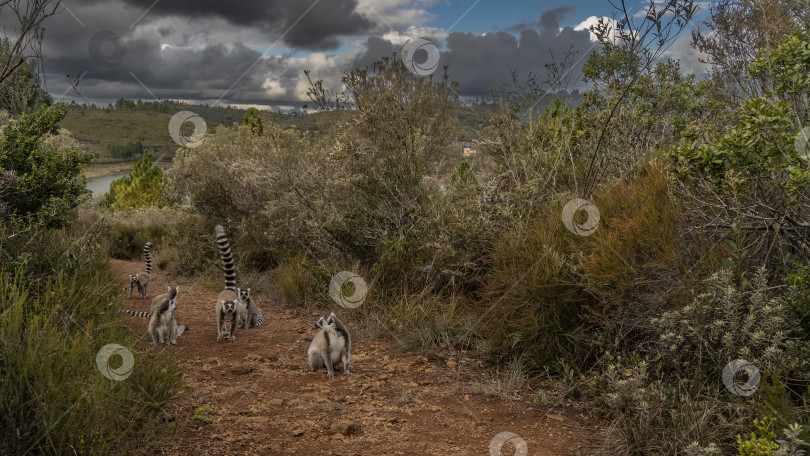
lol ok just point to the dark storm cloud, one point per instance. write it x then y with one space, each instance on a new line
307 24
480 63
195 51
550 20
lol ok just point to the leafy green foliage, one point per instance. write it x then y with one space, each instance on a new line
45 179
800 300
760 442
142 187
20 92
759 146
58 305
253 121
400 121
756 169
128 151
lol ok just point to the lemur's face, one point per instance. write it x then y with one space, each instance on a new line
228 306
243 294
133 278
326 322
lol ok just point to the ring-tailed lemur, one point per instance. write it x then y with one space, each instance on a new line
229 306
234 305
141 279
162 325
331 345
252 316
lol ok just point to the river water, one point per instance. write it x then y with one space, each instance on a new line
101 184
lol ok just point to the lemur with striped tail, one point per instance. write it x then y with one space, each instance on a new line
234 305
163 327
141 279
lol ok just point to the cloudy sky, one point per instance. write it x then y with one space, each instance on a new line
254 52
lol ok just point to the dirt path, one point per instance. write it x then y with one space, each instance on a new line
270 403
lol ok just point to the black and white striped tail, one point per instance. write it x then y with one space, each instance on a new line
181 329
227 258
148 257
259 318
135 313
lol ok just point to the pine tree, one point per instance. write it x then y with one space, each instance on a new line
143 187
252 120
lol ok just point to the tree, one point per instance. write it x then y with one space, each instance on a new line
400 121
143 187
21 91
253 121
40 182
25 42
738 29
754 177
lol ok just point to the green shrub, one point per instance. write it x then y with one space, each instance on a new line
141 188
428 319
192 244
57 310
557 294
532 300
130 150
400 121
678 396
755 171
761 441
640 248
799 301
724 323
126 242
39 181
271 191
295 281
651 414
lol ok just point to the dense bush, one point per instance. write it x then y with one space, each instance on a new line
130 150
550 293
140 188
57 309
273 190
754 174
677 396
39 181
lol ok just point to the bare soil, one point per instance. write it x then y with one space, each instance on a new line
267 402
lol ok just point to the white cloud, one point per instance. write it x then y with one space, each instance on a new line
593 21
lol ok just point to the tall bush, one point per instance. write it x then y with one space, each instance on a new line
142 187
57 310
41 182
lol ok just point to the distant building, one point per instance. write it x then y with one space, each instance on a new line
468 152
